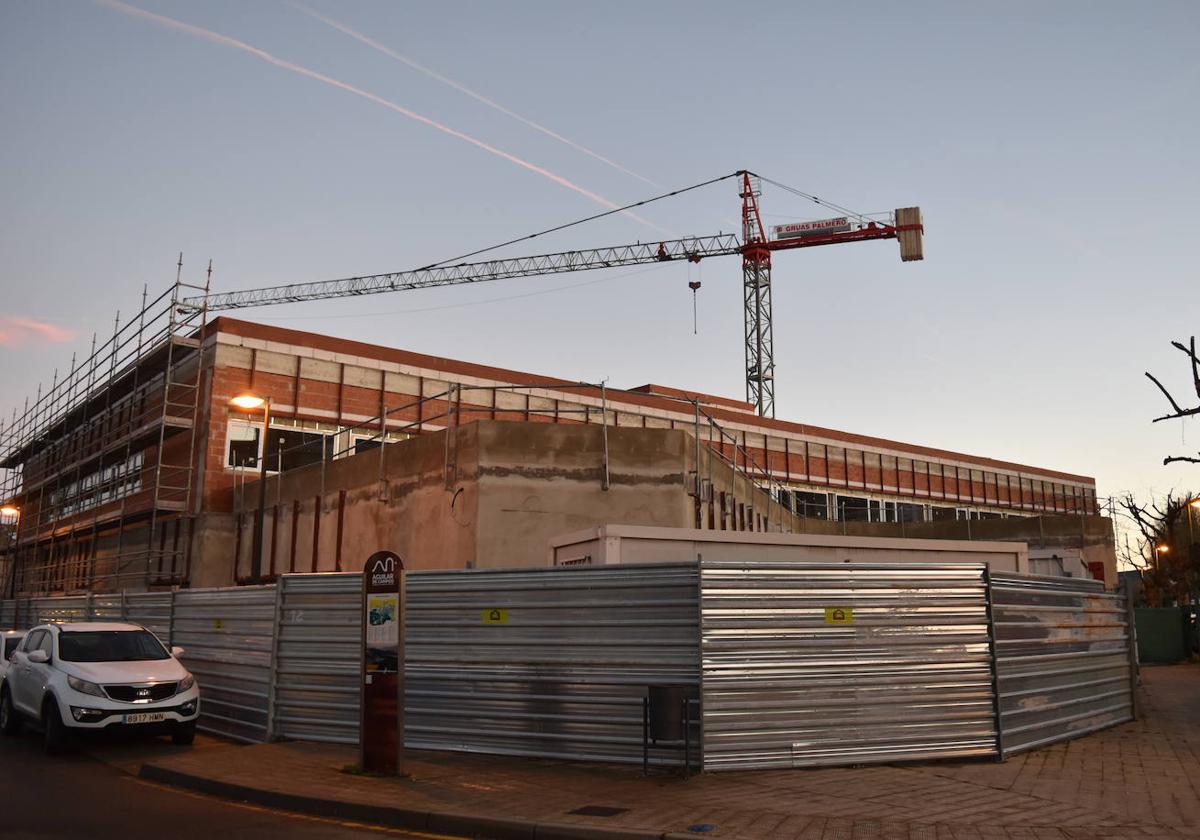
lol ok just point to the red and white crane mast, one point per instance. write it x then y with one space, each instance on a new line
756 280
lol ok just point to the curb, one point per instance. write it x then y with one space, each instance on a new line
440 822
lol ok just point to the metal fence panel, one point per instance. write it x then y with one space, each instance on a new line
228 637
318 658
152 610
110 606
1062 659
559 672
549 662
62 609
902 673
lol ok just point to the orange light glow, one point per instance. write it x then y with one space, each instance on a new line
247 401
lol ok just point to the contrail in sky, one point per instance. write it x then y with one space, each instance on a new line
226 41
433 74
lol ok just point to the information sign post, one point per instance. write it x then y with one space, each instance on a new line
381 721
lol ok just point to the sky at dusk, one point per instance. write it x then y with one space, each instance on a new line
1051 147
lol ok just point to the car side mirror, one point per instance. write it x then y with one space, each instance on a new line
177 651
39 656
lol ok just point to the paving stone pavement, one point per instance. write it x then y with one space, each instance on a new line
1138 780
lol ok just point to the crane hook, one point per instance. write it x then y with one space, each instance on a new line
694 285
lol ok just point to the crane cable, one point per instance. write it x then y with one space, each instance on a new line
581 221
837 208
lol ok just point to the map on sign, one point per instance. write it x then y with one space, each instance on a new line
382 631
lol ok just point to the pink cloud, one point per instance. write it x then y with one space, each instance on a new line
17 332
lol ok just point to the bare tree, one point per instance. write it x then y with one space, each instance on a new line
1166 552
1178 411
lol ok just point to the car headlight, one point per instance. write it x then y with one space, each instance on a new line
186 683
85 687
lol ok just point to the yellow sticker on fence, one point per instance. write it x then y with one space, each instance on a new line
495 616
839 615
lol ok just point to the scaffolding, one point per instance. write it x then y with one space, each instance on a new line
98 470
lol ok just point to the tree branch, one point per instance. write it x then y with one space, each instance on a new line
1179 410
1191 352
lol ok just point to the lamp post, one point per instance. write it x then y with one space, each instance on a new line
251 402
14 513
1160 548
1193 505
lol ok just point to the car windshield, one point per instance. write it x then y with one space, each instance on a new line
10 644
109 646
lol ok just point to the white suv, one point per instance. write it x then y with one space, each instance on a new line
94 675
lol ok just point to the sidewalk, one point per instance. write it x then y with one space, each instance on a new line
1139 780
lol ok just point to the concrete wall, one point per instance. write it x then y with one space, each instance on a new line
331 516
538 480
492 494
489 494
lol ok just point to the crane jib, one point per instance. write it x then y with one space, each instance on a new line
905 225
689 248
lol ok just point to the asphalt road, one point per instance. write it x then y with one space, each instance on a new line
76 795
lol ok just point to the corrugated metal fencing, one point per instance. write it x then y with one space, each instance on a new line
809 664
229 636
547 662
794 664
1064 659
317 658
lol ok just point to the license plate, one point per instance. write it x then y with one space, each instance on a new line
146 717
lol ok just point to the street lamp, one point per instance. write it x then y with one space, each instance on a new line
249 402
14 513
1160 548
1194 504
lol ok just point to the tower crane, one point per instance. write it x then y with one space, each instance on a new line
754 246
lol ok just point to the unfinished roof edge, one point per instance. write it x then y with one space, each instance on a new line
380 353
706 399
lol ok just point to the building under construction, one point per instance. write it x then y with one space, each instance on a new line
133 470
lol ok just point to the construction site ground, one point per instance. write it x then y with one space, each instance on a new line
1137 780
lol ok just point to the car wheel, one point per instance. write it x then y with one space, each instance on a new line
10 723
55 733
184 734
